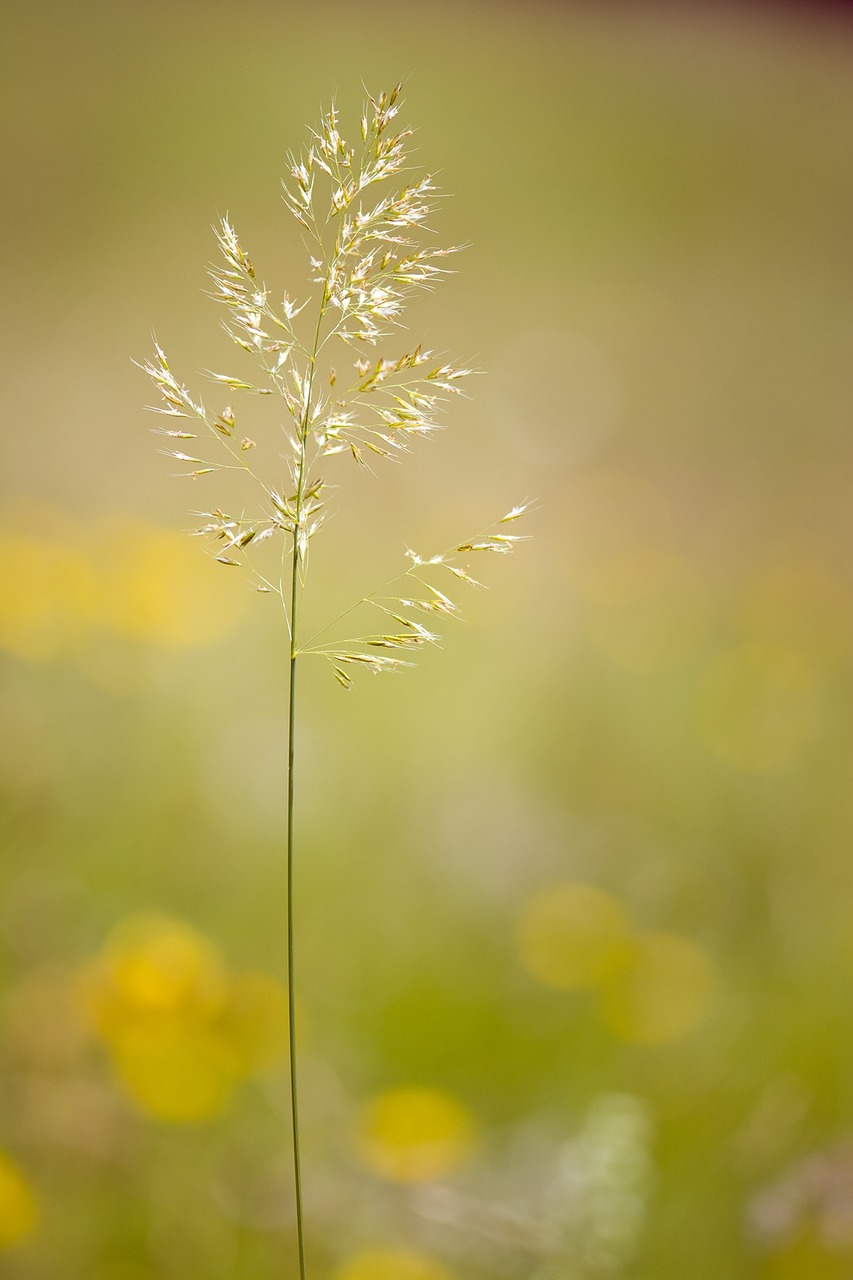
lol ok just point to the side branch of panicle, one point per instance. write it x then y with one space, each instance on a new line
417 598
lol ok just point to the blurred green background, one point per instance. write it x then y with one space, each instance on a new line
574 897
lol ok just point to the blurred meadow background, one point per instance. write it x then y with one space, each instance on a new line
575 920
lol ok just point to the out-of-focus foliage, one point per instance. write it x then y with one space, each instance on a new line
574 921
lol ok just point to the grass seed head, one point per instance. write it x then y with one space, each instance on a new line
369 248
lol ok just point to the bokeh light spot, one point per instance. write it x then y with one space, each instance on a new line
802 604
391 1264
153 965
47 589
662 994
565 418
759 705
68 586
414 1134
646 609
18 1208
173 1071
572 936
181 1028
607 514
158 588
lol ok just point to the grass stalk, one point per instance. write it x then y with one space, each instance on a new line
291 980
366 257
296 556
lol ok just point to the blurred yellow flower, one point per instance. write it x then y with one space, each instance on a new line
391 1264
176 1071
414 1134
151 966
759 705
157 587
47 589
662 994
572 936
181 1028
18 1208
67 585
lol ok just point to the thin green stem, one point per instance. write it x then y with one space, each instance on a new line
291 986
296 565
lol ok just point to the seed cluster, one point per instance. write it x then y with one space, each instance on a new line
366 257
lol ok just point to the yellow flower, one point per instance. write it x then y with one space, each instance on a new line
156 588
662 994
391 1264
151 967
46 591
414 1134
571 936
182 1030
69 586
177 1072
18 1209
